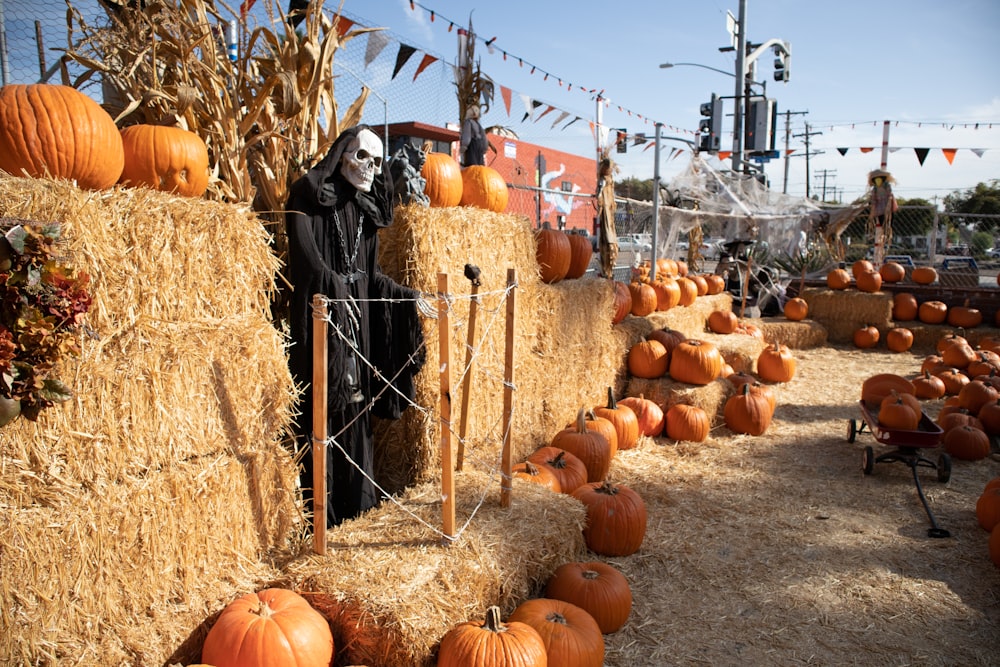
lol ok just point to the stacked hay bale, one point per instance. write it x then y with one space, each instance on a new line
842 312
133 511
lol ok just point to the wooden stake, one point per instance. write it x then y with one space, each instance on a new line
318 453
506 476
746 286
447 462
472 273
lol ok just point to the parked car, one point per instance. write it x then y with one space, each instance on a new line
634 243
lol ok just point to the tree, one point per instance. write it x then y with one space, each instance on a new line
984 199
633 188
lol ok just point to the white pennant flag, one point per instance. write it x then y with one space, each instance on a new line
376 42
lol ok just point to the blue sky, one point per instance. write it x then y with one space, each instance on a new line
930 68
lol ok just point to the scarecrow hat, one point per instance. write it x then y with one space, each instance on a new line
875 173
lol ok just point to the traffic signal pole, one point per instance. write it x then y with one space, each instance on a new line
741 75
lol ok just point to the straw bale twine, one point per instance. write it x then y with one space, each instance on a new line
844 311
566 353
116 500
392 589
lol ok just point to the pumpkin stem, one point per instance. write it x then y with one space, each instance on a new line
493 622
608 488
581 420
590 574
612 404
559 461
531 468
556 617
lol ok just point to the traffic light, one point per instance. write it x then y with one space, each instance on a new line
621 142
761 118
710 127
781 61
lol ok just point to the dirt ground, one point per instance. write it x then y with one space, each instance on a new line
778 550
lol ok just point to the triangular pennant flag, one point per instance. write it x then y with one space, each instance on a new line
547 110
639 138
505 94
921 154
842 151
893 150
527 106
424 62
576 118
867 149
343 26
724 155
978 151
405 51
790 151
949 154
376 42
562 116
648 147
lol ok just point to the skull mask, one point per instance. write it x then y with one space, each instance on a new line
362 161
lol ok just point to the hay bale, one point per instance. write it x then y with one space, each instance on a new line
842 312
800 335
392 589
115 501
667 392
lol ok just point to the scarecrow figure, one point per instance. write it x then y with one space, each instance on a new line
883 205
333 215
606 207
473 138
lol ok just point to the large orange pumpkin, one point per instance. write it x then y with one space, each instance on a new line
988 508
570 634
892 272
904 307
838 279
272 627
616 518
443 177
484 187
169 159
695 362
580 254
776 363
553 254
687 422
624 419
588 445
48 130
868 281
596 587
749 411
643 298
932 312
511 643
568 469
899 339
796 309
648 413
536 474
924 275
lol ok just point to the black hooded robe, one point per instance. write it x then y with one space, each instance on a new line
389 332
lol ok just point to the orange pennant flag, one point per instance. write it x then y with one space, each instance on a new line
724 155
427 60
867 149
949 154
343 25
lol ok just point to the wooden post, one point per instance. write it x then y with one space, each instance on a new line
506 466
319 400
472 273
447 462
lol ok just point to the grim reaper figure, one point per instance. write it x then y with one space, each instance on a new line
333 215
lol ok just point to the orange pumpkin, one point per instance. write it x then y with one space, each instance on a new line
722 321
622 302
616 518
553 254
695 362
924 275
868 281
776 363
511 643
571 636
928 387
838 279
876 387
861 266
687 422
648 359
899 339
689 291
625 421
568 469
700 283
716 283
966 443
643 298
964 316
904 307
54 131
749 411
580 254
596 587
443 180
668 292
270 627
484 187
988 508
169 159
892 272
536 474
895 413
669 337
796 309
866 337
648 413
976 394
587 445
604 427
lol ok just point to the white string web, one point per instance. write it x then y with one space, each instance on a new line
479 361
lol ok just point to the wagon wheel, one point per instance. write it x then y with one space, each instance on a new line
852 430
868 460
943 468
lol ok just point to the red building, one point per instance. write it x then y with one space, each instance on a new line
546 185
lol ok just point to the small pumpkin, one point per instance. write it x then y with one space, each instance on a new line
648 413
580 254
687 422
571 636
168 159
977 393
568 469
722 321
988 509
899 339
270 627
536 474
616 518
443 180
904 307
716 283
643 298
695 362
796 309
924 275
55 131
622 302
868 281
954 379
552 252
689 291
892 272
838 279
668 292
861 266
776 363
511 643
966 443
927 386
964 316
895 413
866 337
625 421
589 446
648 359
932 312
484 187
598 588
749 411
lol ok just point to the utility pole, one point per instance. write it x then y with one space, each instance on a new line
741 74
807 134
824 173
788 136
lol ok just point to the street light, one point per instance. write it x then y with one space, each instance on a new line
714 69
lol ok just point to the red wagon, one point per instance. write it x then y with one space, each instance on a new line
907 448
